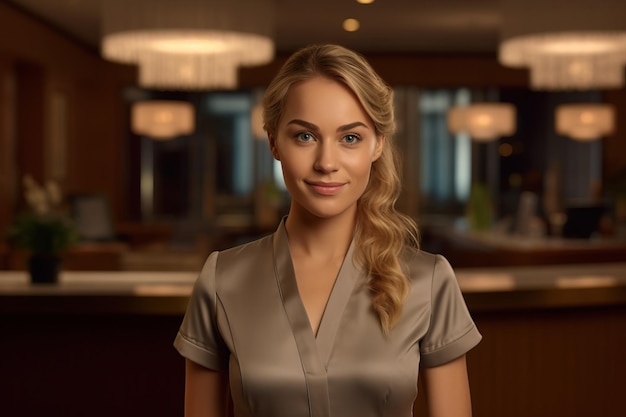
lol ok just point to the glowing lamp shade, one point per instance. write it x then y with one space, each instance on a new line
585 122
569 60
162 119
188 44
566 45
483 121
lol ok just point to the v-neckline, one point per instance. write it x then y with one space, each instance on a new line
315 349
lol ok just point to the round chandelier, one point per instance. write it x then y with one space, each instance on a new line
585 121
569 60
484 122
162 119
578 45
188 44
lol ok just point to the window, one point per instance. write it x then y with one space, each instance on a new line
445 158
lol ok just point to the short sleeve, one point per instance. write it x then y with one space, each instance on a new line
198 338
452 332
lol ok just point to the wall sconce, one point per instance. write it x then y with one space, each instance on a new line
188 44
483 121
162 119
585 122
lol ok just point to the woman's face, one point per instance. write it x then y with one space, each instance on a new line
326 144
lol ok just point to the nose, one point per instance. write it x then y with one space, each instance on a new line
326 157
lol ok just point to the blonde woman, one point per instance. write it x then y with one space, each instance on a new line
338 311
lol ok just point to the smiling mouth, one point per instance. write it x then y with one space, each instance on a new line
326 188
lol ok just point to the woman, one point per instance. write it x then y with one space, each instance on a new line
335 313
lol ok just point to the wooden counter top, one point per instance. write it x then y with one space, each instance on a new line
106 292
543 287
167 293
490 249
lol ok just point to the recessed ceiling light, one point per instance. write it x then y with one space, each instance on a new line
351 25
365 1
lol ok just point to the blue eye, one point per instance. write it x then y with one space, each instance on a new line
350 139
304 137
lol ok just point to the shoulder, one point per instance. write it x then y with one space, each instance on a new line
236 253
259 245
227 268
421 264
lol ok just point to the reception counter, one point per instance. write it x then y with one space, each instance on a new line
96 292
100 343
491 249
166 293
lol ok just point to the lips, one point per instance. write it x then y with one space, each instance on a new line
326 188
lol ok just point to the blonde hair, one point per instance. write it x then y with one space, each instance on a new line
381 232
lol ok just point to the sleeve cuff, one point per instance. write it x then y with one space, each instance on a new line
452 350
197 354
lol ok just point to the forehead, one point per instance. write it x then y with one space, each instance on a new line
322 99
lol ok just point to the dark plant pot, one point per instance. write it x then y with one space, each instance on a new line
44 269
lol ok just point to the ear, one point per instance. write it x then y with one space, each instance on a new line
380 141
273 147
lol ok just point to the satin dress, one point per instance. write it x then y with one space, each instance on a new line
245 316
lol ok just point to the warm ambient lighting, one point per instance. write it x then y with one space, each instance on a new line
483 121
351 25
188 44
365 1
574 60
505 150
256 121
162 119
585 122
574 45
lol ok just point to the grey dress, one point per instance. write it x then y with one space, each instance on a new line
246 315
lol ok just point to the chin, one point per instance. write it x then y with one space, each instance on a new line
327 213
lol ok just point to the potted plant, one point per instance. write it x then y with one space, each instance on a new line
45 230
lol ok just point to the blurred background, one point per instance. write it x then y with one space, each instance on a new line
67 117
143 119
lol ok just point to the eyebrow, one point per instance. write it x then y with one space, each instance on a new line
313 127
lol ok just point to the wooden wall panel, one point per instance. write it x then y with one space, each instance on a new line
90 365
30 120
8 189
96 153
70 117
615 144
32 41
552 363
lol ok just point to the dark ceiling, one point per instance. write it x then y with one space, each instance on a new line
429 26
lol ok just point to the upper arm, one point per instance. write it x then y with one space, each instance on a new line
451 331
206 391
447 389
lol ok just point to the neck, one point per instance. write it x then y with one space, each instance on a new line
314 236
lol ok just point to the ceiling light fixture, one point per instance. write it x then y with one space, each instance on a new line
188 44
578 47
351 25
585 122
483 121
162 119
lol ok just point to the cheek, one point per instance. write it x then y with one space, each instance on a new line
361 167
291 170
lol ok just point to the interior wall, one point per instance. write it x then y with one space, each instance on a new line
8 192
62 112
